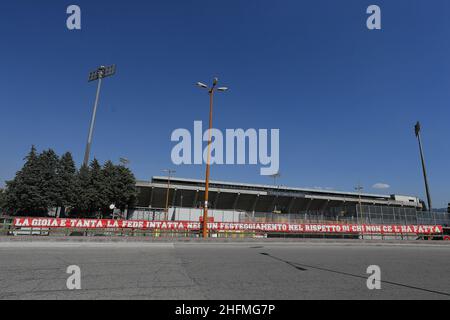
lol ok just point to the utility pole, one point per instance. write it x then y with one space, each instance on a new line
211 92
99 74
417 129
169 175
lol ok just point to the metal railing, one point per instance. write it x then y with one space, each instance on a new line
365 214
8 229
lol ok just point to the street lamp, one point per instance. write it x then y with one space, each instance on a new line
417 129
112 207
99 74
211 99
169 175
275 176
359 188
124 161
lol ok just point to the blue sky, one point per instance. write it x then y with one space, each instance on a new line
344 98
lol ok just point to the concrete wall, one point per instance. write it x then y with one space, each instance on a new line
186 214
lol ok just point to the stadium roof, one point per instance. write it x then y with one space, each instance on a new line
249 186
257 197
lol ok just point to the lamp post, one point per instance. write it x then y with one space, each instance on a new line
113 207
359 188
417 129
211 92
169 175
275 176
124 161
99 74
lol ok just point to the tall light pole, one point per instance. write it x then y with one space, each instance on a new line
417 129
211 92
169 175
99 74
359 188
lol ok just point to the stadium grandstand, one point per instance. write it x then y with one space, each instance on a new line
241 201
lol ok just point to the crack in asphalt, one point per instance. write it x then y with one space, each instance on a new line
287 262
183 264
301 267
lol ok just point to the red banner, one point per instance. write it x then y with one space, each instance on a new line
309 228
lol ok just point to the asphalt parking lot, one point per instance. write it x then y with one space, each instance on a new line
254 270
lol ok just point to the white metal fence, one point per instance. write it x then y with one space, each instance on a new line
364 214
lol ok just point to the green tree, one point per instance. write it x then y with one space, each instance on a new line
126 185
50 185
91 198
67 180
97 194
110 176
47 181
2 200
119 186
80 204
24 193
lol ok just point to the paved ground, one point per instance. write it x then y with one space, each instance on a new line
253 270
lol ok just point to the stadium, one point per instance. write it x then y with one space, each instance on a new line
237 202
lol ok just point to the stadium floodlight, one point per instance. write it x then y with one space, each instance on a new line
102 72
208 166
417 129
99 74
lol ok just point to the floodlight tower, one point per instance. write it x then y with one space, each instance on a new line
211 91
417 129
99 74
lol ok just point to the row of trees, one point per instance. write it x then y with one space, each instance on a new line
48 181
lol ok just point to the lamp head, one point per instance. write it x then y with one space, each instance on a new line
202 85
417 128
